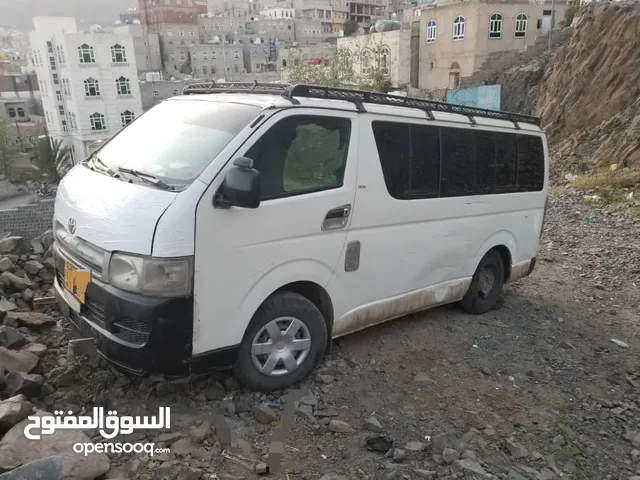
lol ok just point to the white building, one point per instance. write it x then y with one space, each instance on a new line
88 81
278 13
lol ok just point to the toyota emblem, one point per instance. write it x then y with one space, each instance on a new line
72 226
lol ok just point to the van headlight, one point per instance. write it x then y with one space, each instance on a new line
156 277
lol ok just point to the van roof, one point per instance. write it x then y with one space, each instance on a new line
269 95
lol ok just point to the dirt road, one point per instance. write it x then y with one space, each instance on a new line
533 390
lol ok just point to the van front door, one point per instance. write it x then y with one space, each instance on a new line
307 164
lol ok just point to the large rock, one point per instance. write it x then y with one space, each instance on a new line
46 239
32 320
6 306
17 245
10 337
19 283
49 468
23 383
14 410
17 361
32 267
264 414
6 265
74 465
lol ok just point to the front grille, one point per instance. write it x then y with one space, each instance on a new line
131 331
94 312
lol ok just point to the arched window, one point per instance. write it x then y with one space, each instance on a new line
204 69
97 122
12 112
118 54
86 54
365 62
122 86
458 28
521 25
431 31
20 112
91 88
126 117
385 59
495 26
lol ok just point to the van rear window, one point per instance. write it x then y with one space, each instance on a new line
176 140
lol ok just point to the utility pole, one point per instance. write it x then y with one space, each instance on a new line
553 20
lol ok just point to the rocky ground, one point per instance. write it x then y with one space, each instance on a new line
545 387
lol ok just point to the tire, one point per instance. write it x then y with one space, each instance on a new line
486 285
281 311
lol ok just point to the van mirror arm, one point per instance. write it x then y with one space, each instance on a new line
219 201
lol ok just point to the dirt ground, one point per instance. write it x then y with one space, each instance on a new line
535 389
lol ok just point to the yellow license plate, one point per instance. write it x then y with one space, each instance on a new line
76 281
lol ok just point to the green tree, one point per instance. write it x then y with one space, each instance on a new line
52 157
337 69
7 149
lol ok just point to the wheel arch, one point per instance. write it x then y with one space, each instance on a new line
505 243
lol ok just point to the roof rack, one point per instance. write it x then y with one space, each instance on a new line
235 87
358 97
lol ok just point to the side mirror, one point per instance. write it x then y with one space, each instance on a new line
240 187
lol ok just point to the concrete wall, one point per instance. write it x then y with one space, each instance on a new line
28 221
396 43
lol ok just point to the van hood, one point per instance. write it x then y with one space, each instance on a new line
112 214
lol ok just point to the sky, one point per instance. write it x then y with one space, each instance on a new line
18 13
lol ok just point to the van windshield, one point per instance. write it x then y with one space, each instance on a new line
176 140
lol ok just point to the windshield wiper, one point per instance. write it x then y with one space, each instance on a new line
147 177
103 166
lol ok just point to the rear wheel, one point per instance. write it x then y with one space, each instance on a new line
486 285
284 342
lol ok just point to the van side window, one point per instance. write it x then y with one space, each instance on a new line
301 154
424 161
458 162
392 140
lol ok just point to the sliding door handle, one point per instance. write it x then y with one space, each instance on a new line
336 218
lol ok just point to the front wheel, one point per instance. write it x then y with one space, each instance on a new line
486 285
284 342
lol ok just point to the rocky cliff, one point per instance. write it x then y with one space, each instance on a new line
589 97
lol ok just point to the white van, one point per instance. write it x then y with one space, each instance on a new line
247 225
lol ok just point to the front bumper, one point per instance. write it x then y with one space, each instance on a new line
139 334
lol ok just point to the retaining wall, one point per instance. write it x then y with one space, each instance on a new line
28 221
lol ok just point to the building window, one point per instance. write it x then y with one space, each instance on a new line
20 112
56 79
61 56
205 55
65 87
182 56
458 28
181 33
86 54
385 59
126 117
156 93
122 86
61 110
65 128
169 33
52 62
91 88
97 122
192 32
118 54
213 55
236 54
431 31
365 62
12 112
175 91
521 25
495 26
204 70
236 68
49 47
59 93
72 120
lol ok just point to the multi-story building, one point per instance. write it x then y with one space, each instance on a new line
88 81
278 13
311 31
338 20
210 61
146 47
456 38
282 30
154 92
368 12
261 57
